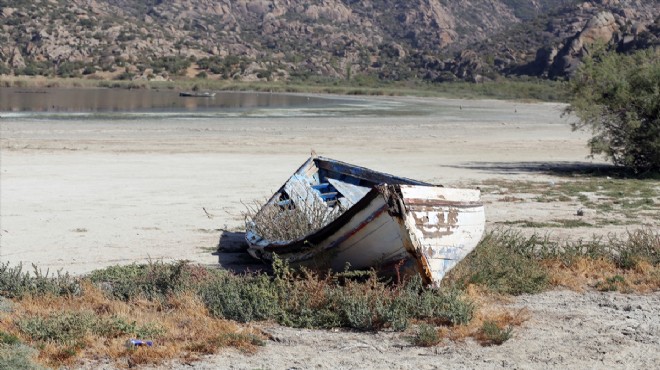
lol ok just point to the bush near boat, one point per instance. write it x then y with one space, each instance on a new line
617 97
507 262
190 310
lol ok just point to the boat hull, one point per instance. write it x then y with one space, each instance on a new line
188 94
402 229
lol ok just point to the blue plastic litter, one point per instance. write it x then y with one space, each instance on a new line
139 343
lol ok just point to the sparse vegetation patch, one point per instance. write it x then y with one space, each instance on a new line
493 334
186 311
510 263
610 201
426 336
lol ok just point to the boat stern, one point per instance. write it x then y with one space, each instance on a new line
444 225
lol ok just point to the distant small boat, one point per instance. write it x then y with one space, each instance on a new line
381 221
195 94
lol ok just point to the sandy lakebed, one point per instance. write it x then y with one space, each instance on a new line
78 195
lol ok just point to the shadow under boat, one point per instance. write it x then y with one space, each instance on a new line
232 254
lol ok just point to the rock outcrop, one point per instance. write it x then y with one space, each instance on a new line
554 44
601 28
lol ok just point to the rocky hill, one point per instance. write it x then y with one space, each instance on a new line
437 40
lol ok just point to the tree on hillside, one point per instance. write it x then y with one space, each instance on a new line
618 97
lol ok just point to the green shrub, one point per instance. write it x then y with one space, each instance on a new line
61 328
126 75
33 68
618 97
154 280
306 316
426 336
491 333
68 329
8 338
172 64
306 300
505 263
117 326
357 310
88 70
69 69
243 299
15 283
71 327
18 357
4 70
395 313
448 306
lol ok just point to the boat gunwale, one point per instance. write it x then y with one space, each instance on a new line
395 180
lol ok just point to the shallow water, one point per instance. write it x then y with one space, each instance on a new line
109 104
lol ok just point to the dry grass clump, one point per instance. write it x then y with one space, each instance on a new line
185 310
290 221
492 322
507 262
95 326
157 302
604 275
628 263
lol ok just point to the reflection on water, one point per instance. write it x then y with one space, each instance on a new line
119 100
61 103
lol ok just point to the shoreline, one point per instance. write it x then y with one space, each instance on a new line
532 90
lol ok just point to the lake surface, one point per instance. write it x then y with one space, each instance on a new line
64 103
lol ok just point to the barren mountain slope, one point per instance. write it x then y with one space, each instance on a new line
277 39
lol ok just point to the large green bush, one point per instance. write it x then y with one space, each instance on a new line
313 302
618 97
505 262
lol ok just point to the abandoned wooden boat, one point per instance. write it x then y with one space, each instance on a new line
371 220
197 94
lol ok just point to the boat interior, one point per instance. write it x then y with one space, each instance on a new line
335 183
